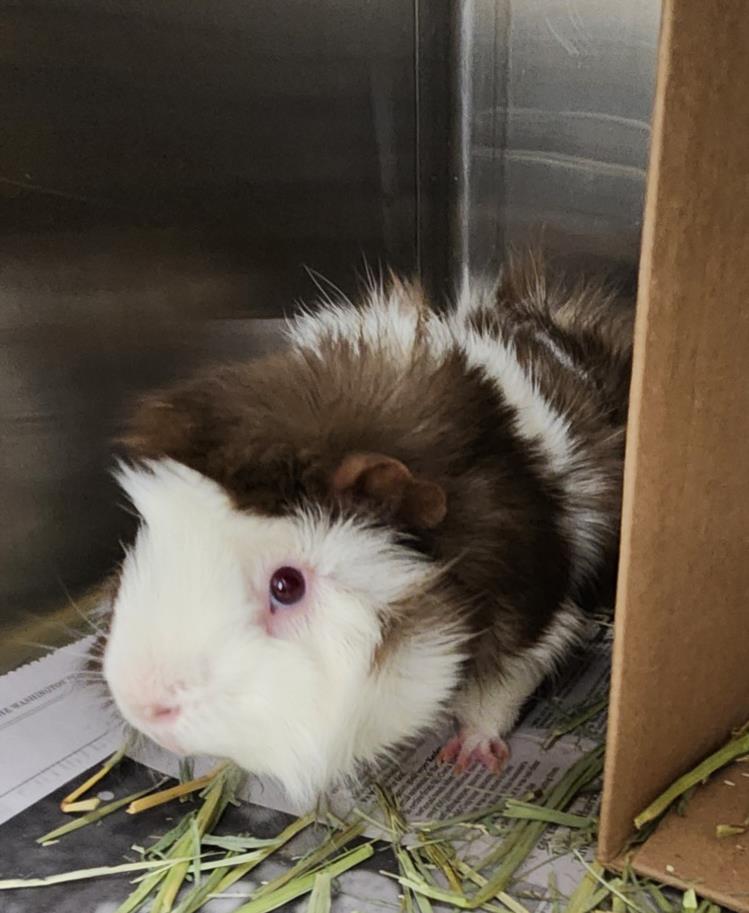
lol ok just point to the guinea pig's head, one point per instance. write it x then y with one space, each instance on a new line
264 639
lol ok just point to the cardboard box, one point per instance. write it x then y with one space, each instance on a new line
681 659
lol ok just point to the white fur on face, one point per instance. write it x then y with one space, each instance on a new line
291 694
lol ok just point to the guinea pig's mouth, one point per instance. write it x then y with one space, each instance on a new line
168 741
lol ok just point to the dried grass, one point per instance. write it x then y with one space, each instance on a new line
190 865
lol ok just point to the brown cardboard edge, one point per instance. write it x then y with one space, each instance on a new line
659 875
697 736
717 869
609 842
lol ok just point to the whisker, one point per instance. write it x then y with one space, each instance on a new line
49 648
86 619
75 633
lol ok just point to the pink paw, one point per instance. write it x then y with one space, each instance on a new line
468 748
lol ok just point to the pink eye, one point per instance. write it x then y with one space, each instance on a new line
287 587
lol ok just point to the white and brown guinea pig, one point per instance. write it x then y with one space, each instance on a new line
404 515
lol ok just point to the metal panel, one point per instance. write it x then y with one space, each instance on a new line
167 171
552 126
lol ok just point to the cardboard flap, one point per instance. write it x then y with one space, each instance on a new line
685 851
681 670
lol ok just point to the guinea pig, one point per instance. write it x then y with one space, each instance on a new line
404 515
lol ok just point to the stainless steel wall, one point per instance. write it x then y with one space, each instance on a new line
552 118
168 170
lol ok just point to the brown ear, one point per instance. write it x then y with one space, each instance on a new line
388 481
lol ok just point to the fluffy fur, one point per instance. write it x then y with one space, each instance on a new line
512 405
296 706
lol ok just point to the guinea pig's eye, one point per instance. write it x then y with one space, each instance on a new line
287 587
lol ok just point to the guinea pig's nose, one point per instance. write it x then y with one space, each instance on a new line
160 713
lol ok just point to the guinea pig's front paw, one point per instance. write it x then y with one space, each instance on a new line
470 747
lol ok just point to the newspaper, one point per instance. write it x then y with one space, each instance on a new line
53 728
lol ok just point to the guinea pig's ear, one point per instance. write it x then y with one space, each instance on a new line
389 482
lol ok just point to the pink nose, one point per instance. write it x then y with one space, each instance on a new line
160 713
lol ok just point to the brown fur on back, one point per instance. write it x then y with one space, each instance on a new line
272 432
